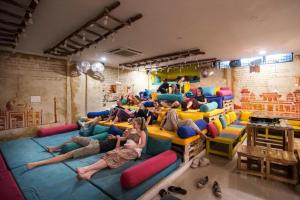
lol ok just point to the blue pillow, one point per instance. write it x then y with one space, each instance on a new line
115 131
157 146
202 124
186 131
208 91
97 114
223 121
149 104
170 97
208 107
189 94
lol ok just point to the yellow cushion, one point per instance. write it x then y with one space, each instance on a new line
218 125
191 115
161 116
245 115
294 122
228 121
216 89
213 112
232 116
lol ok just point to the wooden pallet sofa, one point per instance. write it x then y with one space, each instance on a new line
227 136
58 181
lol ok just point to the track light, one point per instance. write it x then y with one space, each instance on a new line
113 37
105 21
83 37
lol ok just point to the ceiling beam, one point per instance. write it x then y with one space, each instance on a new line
15 3
7 40
13 24
76 43
93 32
201 61
8 30
103 27
7 45
10 14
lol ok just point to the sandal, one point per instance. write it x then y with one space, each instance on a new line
178 190
202 182
216 189
195 163
162 193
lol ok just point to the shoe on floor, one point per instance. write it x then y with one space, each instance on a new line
202 182
204 162
216 189
163 193
178 190
195 163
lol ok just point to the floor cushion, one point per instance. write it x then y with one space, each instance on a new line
22 151
56 130
156 146
55 181
186 132
104 113
137 174
9 190
170 97
202 124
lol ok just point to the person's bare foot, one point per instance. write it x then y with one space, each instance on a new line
31 165
84 176
51 149
81 170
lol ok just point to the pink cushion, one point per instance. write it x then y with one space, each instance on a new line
57 130
9 188
212 129
222 93
141 172
2 164
224 88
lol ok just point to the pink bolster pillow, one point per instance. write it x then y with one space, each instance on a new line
222 93
135 175
2 164
9 188
57 130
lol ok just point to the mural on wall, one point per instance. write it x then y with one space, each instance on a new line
270 102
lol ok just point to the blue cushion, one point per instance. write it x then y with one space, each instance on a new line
202 124
104 113
115 131
149 104
223 121
20 152
208 107
228 97
56 181
170 97
157 146
186 131
208 90
218 100
100 129
189 94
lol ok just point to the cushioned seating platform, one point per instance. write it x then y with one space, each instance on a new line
9 190
20 152
213 112
107 178
56 181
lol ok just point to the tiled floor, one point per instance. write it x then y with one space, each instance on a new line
234 185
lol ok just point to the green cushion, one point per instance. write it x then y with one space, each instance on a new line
69 147
100 129
157 146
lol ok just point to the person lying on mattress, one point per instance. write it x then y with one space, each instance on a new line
136 141
171 122
89 147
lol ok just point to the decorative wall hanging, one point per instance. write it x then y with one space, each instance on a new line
13 22
95 30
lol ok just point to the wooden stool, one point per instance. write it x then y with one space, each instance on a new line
251 153
283 158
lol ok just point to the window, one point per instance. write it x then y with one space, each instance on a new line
252 61
279 58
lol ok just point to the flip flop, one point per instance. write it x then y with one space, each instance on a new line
162 193
178 190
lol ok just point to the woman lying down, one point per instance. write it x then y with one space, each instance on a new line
135 141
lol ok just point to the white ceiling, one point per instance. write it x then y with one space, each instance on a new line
225 29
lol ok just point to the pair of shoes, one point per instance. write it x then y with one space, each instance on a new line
202 162
216 189
178 190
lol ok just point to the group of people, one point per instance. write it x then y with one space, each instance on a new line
120 149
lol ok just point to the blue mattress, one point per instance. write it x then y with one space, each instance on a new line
55 181
20 152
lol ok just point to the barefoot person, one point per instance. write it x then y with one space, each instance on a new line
136 141
89 147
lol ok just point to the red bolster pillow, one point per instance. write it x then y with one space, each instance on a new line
2 164
9 188
222 93
57 130
135 175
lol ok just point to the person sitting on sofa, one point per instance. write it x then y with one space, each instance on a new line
89 147
136 141
171 122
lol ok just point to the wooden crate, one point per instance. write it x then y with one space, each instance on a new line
189 151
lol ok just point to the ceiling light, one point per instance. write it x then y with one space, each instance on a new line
105 21
103 59
262 52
